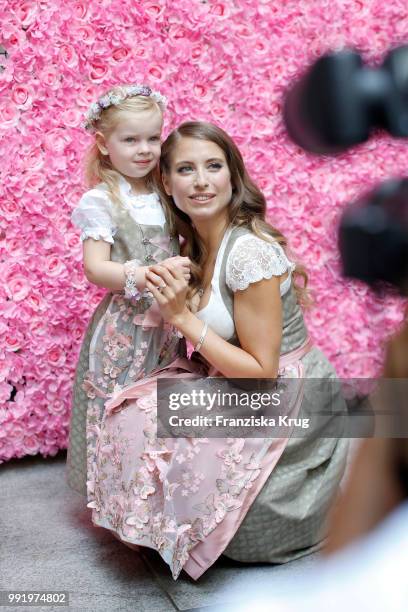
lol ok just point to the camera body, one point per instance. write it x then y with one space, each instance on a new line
336 105
373 237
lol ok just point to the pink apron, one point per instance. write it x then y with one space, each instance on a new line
188 495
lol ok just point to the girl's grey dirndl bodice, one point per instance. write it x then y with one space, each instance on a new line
125 340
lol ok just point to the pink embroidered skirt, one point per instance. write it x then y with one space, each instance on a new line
184 497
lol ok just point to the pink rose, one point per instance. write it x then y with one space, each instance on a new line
198 51
298 204
219 72
19 407
5 392
33 159
33 206
84 33
55 356
317 226
17 287
154 10
12 342
22 96
31 444
68 55
242 31
8 310
9 208
56 140
9 114
71 240
14 37
87 95
51 77
26 12
54 267
72 117
17 365
202 92
219 112
120 54
37 327
34 182
80 9
35 302
260 48
176 31
220 10
299 243
6 77
17 433
8 451
56 407
4 416
139 51
98 69
156 73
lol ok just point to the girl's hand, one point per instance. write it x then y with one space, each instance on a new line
170 291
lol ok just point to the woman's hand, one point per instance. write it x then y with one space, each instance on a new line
180 263
169 288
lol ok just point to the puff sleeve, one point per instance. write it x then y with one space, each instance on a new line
252 259
93 216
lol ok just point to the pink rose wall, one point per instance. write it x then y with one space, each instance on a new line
228 62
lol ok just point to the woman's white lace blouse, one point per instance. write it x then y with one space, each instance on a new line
252 259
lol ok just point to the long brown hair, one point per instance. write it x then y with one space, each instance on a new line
247 207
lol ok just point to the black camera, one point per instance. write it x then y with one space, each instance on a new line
336 105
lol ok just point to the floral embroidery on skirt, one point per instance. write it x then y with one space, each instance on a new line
170 494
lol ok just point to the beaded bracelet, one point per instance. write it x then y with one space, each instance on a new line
131 290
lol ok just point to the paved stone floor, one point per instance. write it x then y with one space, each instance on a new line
48 542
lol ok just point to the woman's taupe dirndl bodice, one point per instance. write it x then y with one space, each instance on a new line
287 518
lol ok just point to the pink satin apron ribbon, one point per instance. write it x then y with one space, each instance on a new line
293 356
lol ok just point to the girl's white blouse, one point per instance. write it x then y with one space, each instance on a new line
250 260
94 213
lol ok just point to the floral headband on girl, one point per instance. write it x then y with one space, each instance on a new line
117 96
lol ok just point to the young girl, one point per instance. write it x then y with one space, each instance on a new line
124 230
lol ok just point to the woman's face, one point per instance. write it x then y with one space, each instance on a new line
199 179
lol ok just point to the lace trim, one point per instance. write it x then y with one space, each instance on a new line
131 290
257 260
97 233
138 199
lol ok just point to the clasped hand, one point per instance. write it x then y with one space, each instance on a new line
168 283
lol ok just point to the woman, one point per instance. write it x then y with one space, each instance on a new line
187 497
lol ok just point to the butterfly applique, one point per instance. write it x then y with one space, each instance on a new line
137 520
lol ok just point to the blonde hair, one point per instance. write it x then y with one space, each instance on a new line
247 207
98 167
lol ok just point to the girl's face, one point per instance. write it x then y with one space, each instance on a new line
199 179
134 145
